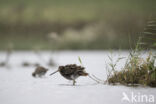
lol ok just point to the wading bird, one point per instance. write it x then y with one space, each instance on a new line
39 71
71 72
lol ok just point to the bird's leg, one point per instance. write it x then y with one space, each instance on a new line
74 82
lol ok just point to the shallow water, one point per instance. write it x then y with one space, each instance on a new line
17 86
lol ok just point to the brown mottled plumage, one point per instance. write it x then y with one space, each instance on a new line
71 72
39 71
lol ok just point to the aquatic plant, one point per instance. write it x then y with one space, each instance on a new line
136 71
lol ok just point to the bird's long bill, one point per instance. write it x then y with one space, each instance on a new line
54 72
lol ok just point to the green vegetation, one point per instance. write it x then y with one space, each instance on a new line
31 11
78 24
136 71
150 32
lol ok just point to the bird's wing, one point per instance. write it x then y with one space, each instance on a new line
69 71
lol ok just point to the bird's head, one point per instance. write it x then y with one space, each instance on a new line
33 74
60 68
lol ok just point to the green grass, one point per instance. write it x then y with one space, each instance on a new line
26 23
136 71
68 10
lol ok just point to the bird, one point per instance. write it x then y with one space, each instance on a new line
71 72
39 71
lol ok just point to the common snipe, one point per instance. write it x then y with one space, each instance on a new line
71 72
39 71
